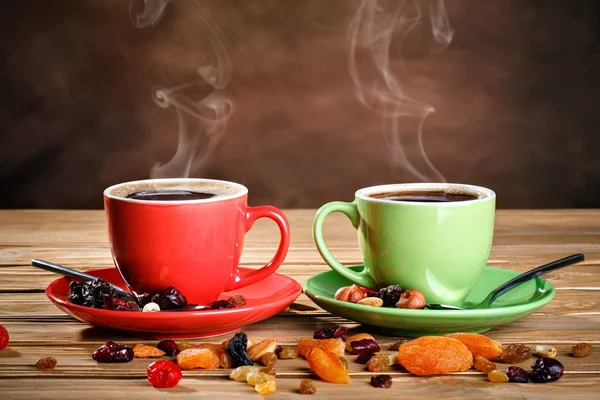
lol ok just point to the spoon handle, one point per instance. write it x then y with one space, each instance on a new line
62 270
534 273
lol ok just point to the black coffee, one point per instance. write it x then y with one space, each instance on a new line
425 197
169 195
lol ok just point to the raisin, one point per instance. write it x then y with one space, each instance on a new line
220 304
515 353
268 359
240 374
396 345
90 294
266 388
278 349
381 381
226 361
378 363
236 301
46 363
483 364
582 350
237 349
344 361
163 374
307 387
4 337
288 353
364 344
390 295
330 333
184 345
518 375
496 376
111 303
546 370
270 370
169 347
364 356
112 352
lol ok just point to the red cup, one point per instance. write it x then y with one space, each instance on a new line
192 245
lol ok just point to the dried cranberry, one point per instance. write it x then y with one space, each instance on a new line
219 304
389 295
365 344
546 370
169 347
112 352
518 375
90 294
330 333
4 337
237 350
170 299
111 303
364 356
381 381
163 374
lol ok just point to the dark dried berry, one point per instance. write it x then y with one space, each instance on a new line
307 387
381 381
112 352
170 299
582 350
330 333
518 375
237 350
236 301
220 304
169 347
111 303
389 295
365 344
515 353
546 370
278 350
90 294
364 356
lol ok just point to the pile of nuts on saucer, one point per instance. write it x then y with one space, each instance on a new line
390 296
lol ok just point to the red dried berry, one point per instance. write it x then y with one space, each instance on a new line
112 352
365 344
330 333
4 337
169 347
164 374
111 303
518 375
364 356
381 381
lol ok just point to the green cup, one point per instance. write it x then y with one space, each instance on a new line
439 248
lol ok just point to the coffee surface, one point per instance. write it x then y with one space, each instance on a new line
169 195
425 197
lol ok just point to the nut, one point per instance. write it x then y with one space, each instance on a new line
351 294
144 351
371 301
411 298
545 351
266 346
151 307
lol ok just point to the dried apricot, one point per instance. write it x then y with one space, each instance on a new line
479 345
582 350
333 346
198 358
430 355
483 364
356 338
327 365
515 353
211 346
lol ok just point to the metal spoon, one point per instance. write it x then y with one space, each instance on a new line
62 270
513 283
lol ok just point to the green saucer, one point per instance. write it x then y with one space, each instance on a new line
513 305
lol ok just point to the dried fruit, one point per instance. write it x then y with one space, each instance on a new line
333 346
365 356
579 350
371 302
240 374
214 347
364 344
46 363
496 376
90 294
114 304
517 375
546 370
344 361
198 358
237 349
390 295
396 345
220 304
515 353
307 387
168 299
144 351
4 338
169 347
411 299
259 349
271 370
268 359
256 377
479 345
278 349
545 351
266 388
381 381
351 294
378 363
330 333
483 364
184 345
288 353
429 355
327 365
111 352
163 374
236 301
356 338
225 360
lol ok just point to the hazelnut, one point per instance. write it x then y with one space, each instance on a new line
411 298
351 294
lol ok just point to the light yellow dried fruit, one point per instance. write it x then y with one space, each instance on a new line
545 351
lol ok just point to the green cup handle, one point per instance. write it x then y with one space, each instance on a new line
361 278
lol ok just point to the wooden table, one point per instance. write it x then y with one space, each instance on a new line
77 239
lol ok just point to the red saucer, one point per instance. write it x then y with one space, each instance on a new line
263 300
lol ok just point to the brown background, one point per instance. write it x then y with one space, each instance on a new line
515 93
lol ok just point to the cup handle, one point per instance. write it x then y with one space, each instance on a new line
240 279
361 278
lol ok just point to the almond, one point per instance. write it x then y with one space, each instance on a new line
144 351
371 301
260 348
